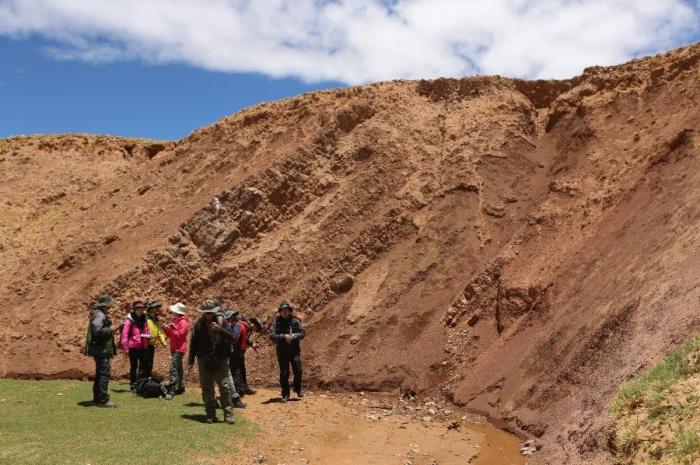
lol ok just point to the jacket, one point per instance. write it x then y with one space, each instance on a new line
100 340
131 337
177 333
204 341
284 326
157 334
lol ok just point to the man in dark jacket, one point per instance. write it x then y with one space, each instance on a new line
242 339
101 347
210 344
287 331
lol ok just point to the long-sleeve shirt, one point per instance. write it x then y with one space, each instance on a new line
157 333
177 333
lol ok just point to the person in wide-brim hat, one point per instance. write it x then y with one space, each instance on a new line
177 331
210 346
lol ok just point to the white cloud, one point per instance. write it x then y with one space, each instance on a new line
356 41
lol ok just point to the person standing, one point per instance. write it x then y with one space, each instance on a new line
231 316
210 345
135 338
101 347
177 331
153 308
286 333
245 330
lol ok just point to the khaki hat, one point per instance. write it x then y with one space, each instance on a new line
178 308
210 306
104 301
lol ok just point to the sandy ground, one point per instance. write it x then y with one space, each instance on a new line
349 429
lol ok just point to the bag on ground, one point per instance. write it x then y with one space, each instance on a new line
150 388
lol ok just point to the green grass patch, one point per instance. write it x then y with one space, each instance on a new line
52 422
656 415
686 446
658 379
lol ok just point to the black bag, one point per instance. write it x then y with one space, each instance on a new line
149 388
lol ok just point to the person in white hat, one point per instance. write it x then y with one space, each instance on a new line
177 331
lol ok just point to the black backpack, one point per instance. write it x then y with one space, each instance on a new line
150 388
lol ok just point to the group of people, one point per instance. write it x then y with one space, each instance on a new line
218 343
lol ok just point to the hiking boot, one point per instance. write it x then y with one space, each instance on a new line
210 420
108 404
285 399
238 403
229 420
300 394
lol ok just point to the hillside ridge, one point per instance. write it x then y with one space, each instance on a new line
520 248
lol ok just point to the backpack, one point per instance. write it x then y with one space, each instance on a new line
150 388
88 338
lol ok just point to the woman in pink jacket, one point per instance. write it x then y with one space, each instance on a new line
177 331
134 341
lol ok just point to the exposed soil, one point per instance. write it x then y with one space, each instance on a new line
370 429
516 248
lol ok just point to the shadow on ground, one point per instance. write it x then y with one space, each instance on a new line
277 400
198 417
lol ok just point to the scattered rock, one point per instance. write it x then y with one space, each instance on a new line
143 189
342 284
529 447
108 239
496 211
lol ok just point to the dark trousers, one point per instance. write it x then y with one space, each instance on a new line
285 360
237 365
100 387
150 357
137 364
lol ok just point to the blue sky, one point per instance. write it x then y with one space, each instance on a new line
39 94
162 68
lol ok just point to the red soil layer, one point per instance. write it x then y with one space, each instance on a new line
519 247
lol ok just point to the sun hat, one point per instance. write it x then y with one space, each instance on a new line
178 308
138 304
153 304
285 306
209 306
104 301
231 313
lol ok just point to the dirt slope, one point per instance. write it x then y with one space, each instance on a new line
520 248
